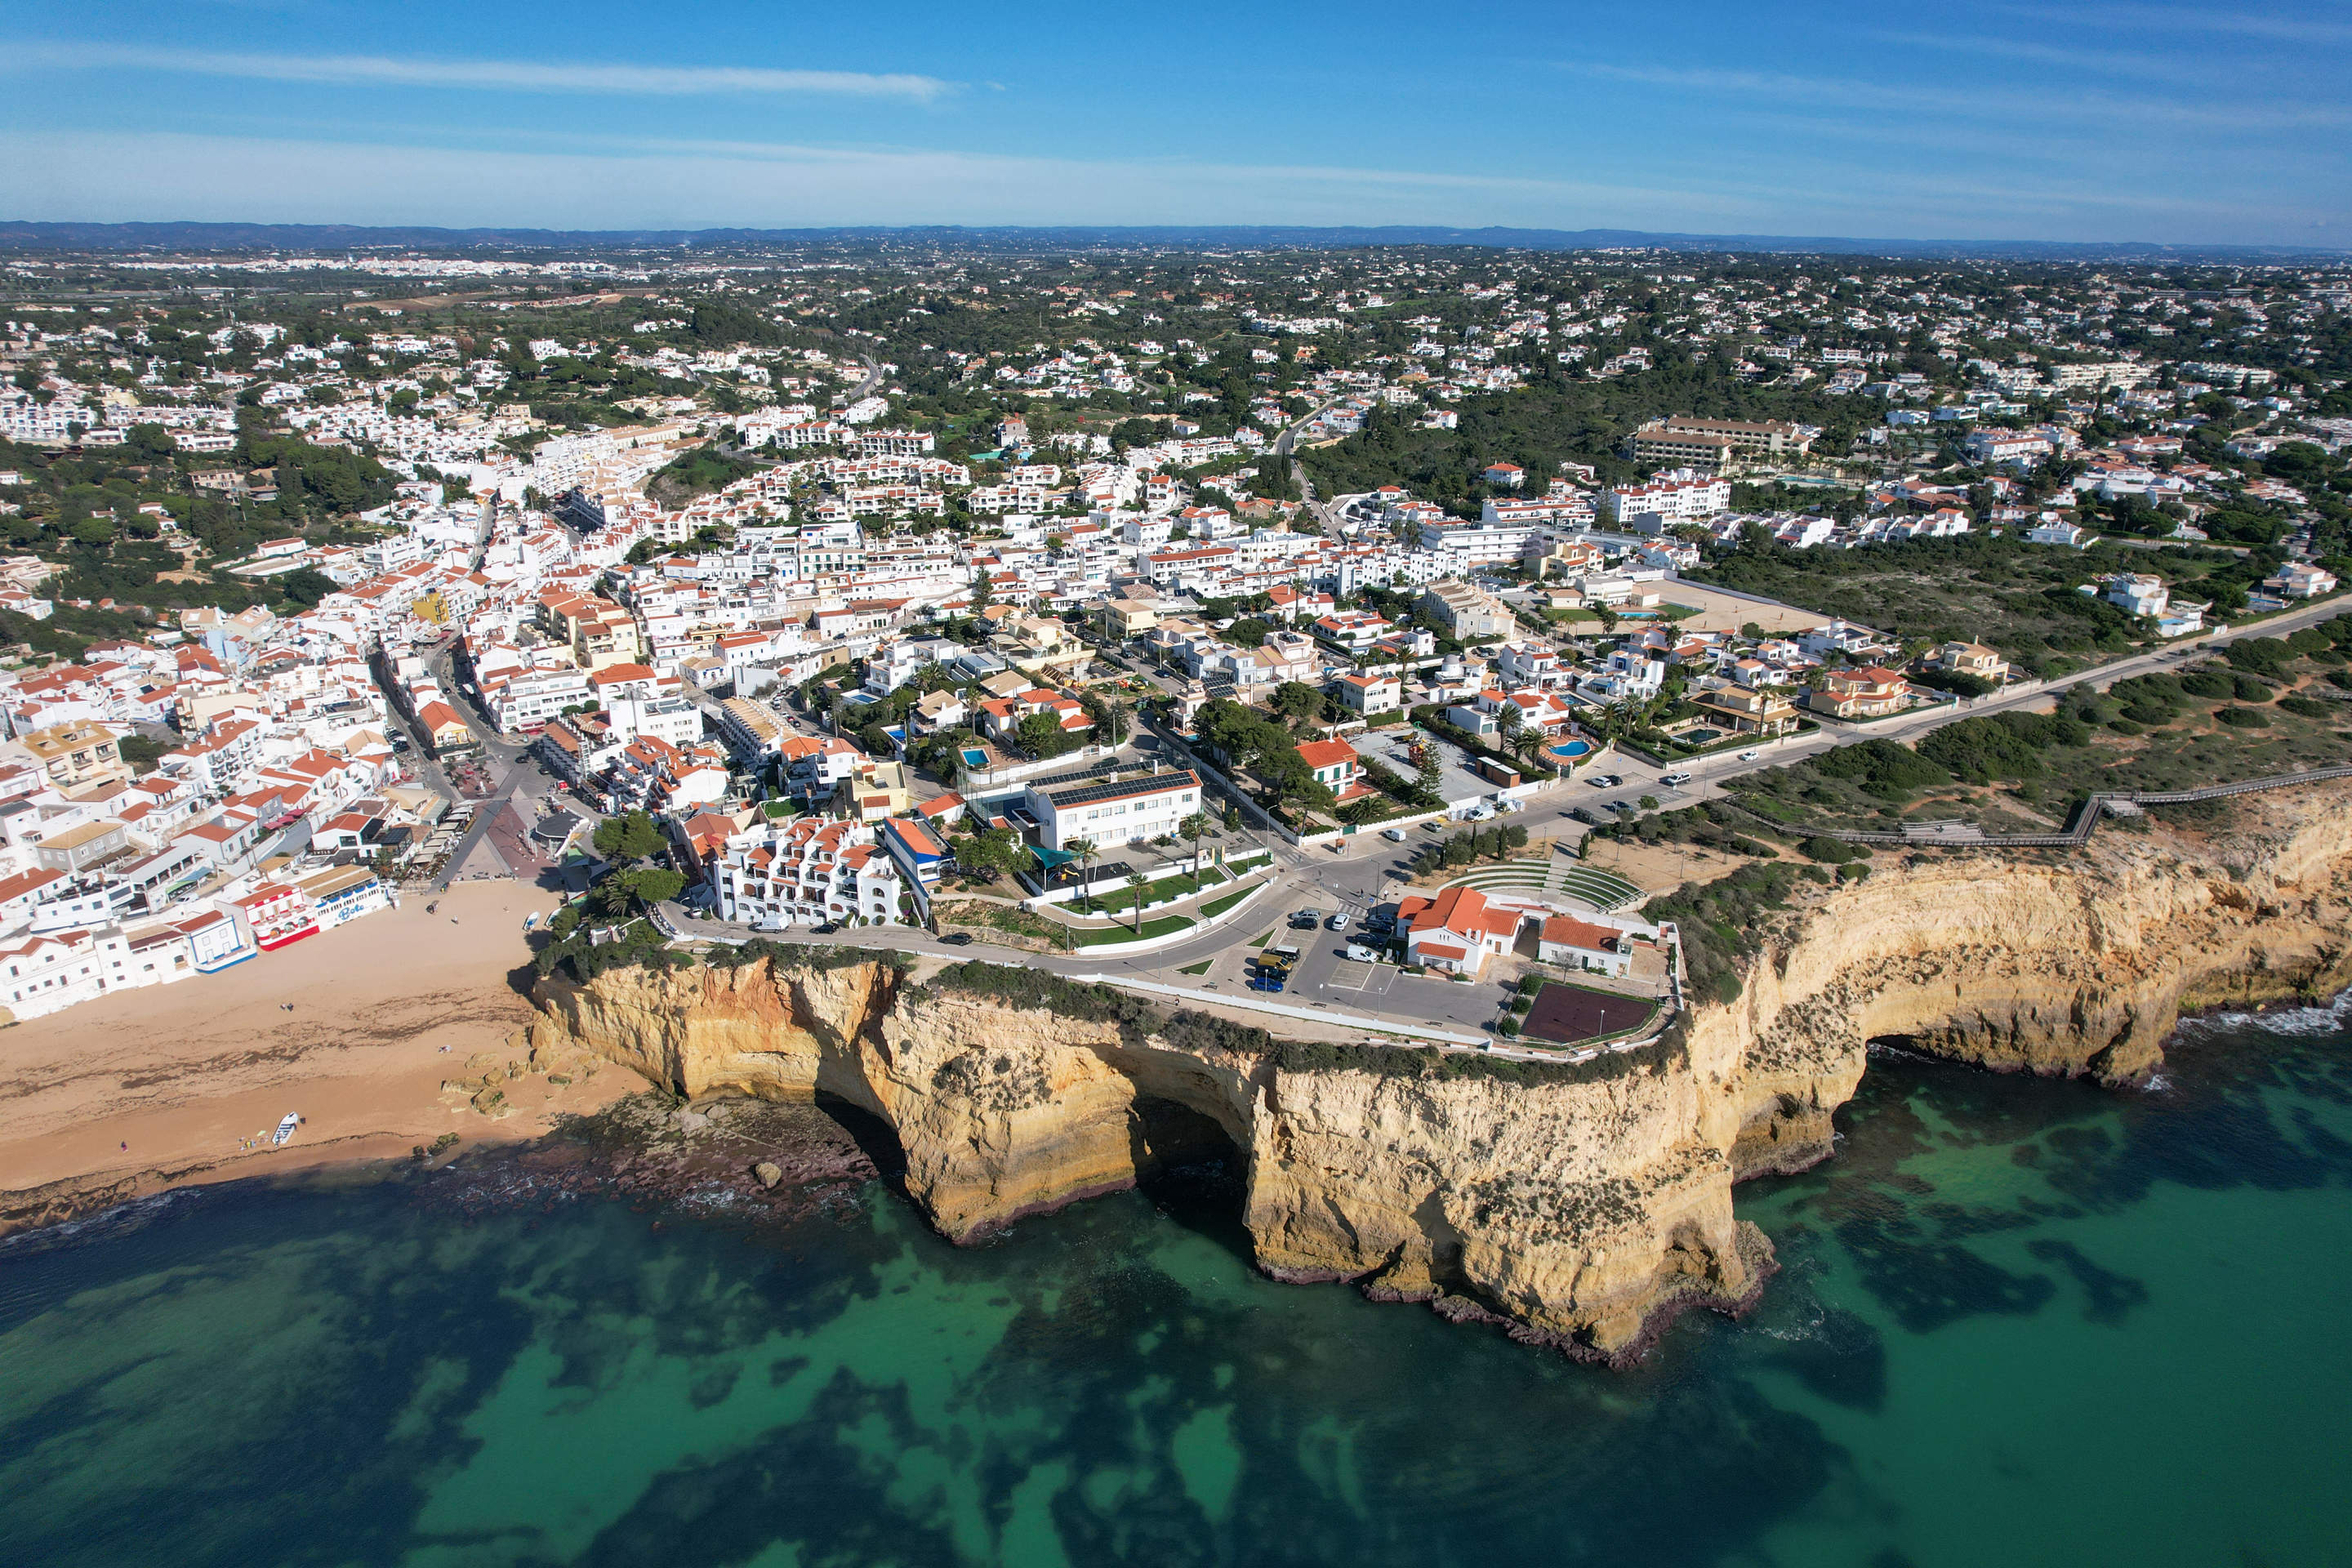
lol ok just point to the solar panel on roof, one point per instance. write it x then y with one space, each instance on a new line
1088 795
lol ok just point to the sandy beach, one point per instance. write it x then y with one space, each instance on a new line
182 1083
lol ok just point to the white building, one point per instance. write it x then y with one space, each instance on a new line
1120 811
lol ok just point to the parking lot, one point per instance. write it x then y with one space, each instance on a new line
1326 975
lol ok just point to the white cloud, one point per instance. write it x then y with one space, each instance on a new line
2241 24
510 76
2099 58
2070 103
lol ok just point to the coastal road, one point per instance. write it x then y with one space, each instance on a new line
1367 869
1710 772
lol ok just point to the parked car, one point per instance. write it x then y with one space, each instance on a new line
1625 806
1364 954
1393 834
1337 923
958 938
1604 781
1265 982
1307 920
1675 779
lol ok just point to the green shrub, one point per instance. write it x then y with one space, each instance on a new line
2212 684
2244 718
2264 655
2001 746
1508 1029
1830 850
1852 871
2306 707
2125 727
1882 768
2246 688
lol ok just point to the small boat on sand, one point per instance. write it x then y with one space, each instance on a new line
285 1130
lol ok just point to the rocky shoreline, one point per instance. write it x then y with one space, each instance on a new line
747 1159
742 1159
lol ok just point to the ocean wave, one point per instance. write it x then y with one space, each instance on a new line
2330 1019
105 1224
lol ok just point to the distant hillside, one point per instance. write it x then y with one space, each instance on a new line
233 237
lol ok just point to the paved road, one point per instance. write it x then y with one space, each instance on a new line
1367 869
1643 778
1286 448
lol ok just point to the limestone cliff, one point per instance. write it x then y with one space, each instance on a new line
2059 965
1577 1209
1580 1206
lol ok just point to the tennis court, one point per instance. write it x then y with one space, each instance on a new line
1569 1015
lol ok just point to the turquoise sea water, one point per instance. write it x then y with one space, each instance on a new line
2018 1323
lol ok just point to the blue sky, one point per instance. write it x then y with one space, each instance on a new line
2167 122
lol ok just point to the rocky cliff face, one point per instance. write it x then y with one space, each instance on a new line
1581 1207
2064 965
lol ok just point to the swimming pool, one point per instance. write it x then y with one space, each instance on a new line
1569 751
974 757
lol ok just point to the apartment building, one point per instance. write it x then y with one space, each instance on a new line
806 872
1140 806
1467 545
1719 444
1667 502
75 755
1465 612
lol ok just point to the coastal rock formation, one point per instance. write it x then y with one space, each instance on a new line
1580 1209
2064 965
1580 1206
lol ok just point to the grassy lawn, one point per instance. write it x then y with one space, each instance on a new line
1200 968
1180 885
1166 925
1215 907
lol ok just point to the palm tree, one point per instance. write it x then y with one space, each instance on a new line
1195 827
1137 882
1085 852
